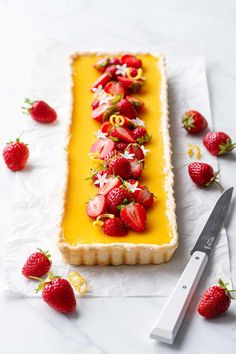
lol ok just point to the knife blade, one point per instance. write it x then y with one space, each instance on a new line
173 312
209 234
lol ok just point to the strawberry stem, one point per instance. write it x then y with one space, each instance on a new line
220 186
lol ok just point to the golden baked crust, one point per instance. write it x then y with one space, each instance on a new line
127 253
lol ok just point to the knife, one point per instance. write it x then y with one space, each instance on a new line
173 312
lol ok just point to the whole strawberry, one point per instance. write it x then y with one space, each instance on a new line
16 155
119 166
37 265
116 197
218 143
193 122
215 300
40 111
58 294
114 227
201 174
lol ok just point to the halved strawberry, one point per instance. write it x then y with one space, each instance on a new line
144 197
134 216
105 127
136 150
96 206
103 147
101 64
95 104
113 182
103 112
111 70
136 168
125 81
114 88
102 80
122 134
136 102
115 61
131 60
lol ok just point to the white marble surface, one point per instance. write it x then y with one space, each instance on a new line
116 325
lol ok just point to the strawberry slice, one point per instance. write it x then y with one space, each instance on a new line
102 80
103 147
136 102
125 81
95 104
113 182
123 134
96 206
144 197
131 61
101 64
136 150
114 88
103 112
105 127
136 168
134 216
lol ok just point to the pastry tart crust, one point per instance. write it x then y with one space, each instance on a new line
129 253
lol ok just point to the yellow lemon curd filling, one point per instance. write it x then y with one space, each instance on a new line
77 226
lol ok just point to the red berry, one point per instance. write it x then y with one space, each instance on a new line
136 102
40 111
16 155
113 182
201 173
114 227
102 80
111 70
130 85
115 61
101 64
193 122
131 61
95 104
141 135
116 197
136 168
134 216
105 127
114 88
144 197
126 108
120 146
120 166
96 206
215 301
103 147
136 150
59 295
218 143
37 265
122 134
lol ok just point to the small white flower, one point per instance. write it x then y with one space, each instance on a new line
139 122
145 151
104 98
100 135
98 91
127 155
101 180
132 187
121 69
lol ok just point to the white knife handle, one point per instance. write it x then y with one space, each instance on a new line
174 310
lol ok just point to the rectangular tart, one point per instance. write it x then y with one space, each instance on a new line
80 242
